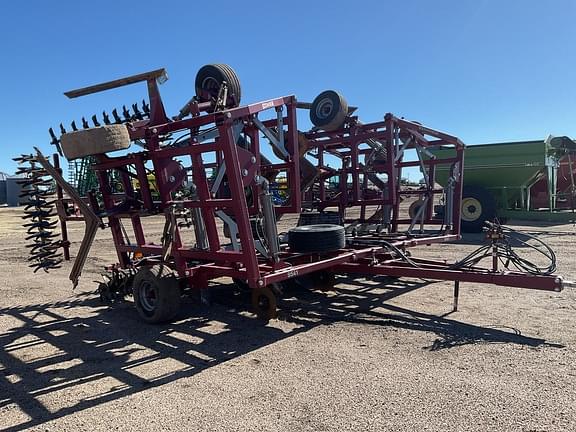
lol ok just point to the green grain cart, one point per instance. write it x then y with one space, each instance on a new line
530 180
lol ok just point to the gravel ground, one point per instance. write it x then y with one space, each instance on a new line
369 356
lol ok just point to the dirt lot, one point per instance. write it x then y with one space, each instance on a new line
369 356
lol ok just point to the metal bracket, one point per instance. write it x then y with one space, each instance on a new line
91 219
233 228
272 137
159 75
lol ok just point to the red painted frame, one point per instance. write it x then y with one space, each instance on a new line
197 266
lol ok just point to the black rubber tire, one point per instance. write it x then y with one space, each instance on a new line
473 216
316 238
156 293
210 77
329 110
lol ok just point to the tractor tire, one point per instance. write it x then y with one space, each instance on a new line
94 141
478 206
329 110
156 294
316 238
209 79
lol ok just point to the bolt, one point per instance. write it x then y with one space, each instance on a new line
244 172
155 130
260 282
172 179
253 159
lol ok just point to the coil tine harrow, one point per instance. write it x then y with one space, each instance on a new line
37 187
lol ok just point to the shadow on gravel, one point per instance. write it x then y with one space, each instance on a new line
85 362
51 355
365 304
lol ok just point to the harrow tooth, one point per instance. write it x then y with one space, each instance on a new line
34 230
137 112
35 171
42 224
73 125
46 265
117 118
49 251
126 113
62 130
55 140
26 192
95 121
106 118
44 193
37 214
39 203
85 124
34 181
48 254
24 158
41 236
38 245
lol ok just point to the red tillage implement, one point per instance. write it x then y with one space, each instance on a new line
209 171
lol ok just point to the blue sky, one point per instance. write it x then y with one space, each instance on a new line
483 70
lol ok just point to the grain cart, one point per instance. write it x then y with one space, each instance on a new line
530 180
213 164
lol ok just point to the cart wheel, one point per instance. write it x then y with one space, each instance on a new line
414 208
478 206
209 79
156 294
329 110
264 303
93 141
316 238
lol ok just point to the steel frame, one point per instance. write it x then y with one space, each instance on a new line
367 252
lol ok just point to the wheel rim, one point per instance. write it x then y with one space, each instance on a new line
324 108
211 85
264 303
471 209
148 296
